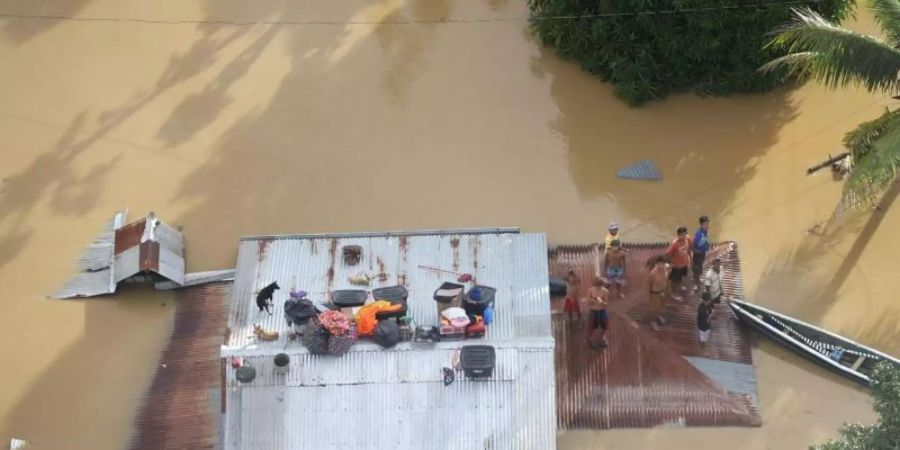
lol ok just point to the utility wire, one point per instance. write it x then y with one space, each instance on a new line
402 22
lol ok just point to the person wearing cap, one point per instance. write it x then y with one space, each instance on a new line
612 235
701 246
712 282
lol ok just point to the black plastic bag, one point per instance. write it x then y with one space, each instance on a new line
299 311
387 333
315 337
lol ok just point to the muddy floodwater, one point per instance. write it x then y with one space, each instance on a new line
232 118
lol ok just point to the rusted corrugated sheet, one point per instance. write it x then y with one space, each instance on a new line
181 410
644 378
129 235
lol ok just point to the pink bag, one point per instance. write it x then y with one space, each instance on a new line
335 322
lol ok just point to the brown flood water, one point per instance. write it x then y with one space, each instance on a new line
232 130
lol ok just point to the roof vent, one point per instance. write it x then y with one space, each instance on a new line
282 362
478 361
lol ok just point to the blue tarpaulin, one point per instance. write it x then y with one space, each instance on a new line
642 170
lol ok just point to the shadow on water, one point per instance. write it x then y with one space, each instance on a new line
403 45
19 31
197 111
857 227
704 147
63 405
50 175
115 331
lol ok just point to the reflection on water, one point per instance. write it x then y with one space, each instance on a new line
257 129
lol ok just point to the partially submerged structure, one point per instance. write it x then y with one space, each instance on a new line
648 378
392 398
141 250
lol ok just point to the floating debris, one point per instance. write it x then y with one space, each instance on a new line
642 170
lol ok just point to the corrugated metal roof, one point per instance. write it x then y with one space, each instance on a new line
95 275
515 264
123 251
394 398
648 378
196 279
182 409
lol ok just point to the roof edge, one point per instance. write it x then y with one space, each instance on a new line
371 234
529 344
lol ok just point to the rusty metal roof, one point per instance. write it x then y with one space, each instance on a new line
183 407
398 389
122 251
647 378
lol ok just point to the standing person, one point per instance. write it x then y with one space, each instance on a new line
612 235
598 296
614 267
571 306
679 254
705 314
712 282
701 246
659 286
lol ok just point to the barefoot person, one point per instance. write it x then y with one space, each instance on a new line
598 296
571 306
614 267
705 314
679 254
712 282
659 286
701 246
612 235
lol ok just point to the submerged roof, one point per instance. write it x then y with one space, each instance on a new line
122 251
394 398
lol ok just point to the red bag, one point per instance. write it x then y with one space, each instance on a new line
476 329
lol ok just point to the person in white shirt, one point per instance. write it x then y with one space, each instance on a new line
712 281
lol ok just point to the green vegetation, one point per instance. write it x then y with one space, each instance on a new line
884 434
649 48
837 58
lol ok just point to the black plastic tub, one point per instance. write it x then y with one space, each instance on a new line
346 298
448 292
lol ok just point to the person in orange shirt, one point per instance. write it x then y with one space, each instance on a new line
680 254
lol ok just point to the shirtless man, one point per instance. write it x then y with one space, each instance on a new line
599 319
614 265
659 288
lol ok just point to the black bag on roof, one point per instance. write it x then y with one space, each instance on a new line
315 337
387 333
299 311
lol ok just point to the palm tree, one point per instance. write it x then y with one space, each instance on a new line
838 57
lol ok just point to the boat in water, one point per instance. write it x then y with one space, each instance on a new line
848 358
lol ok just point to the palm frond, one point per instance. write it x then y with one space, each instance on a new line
875 147
887 14
835 56
860 140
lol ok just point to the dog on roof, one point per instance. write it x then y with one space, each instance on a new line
264 297
264 334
